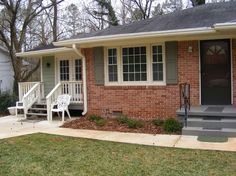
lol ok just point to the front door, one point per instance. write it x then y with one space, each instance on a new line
70 70
215 72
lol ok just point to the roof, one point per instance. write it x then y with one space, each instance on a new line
44 47
201 16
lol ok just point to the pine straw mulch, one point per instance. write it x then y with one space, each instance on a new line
112 125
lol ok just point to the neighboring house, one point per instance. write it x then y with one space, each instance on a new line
136 69
6 71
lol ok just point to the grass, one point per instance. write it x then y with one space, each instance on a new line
42 154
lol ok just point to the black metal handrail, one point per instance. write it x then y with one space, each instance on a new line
185 100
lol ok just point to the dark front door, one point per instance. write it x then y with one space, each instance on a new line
215 72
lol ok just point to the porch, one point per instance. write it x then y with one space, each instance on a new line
36 103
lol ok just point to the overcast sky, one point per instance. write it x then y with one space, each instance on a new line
114 2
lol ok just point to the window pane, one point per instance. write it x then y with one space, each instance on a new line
125 68
154 49
134 64
125 76
125 51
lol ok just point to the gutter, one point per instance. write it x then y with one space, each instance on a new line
190 31
44 52
85 101
225 26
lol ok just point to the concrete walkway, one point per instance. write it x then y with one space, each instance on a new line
10 127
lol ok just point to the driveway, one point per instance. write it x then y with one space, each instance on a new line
11 126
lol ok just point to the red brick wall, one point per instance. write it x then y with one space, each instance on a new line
145 101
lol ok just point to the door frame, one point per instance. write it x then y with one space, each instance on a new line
231 67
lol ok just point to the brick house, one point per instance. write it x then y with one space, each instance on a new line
136 69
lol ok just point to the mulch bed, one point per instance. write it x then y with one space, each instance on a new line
112 125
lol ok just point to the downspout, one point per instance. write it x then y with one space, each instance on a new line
78 52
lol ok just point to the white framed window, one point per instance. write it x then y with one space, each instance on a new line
135 65
134 61
157 63
112 64
64 70
78 69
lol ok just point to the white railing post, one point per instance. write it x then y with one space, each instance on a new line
31 97
51 98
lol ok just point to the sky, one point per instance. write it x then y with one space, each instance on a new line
115 3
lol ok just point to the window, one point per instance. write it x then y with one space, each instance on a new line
64 70
112 65
78 70
157 63
134 64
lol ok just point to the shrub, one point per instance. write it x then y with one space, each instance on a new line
94 117
122 119
101 122
171 125
158 122
131 123
7 100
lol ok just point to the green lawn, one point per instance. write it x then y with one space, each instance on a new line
49 155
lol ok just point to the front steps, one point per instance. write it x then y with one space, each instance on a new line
204 123
38 110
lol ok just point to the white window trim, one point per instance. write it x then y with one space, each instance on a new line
149 58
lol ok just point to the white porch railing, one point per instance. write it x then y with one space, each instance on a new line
24 88
73 88
32 96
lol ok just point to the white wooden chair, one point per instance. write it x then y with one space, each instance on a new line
61 105
19 105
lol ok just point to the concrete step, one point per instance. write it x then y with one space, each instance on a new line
212 123
199 131
208 114
37 109
38 105
36 114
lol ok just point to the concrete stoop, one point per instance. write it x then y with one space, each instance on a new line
202 123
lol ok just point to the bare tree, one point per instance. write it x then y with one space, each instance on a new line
143 8
16 17
172 5
197 2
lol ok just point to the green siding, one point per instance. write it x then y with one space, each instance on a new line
99 65
48 69
171 62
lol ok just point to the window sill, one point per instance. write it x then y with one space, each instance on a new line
136 84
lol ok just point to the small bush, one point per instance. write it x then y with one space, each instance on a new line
131 123
158 122
101 122
171 125
122 119
94 117
6 100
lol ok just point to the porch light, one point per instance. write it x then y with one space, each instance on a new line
190 49
48 65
